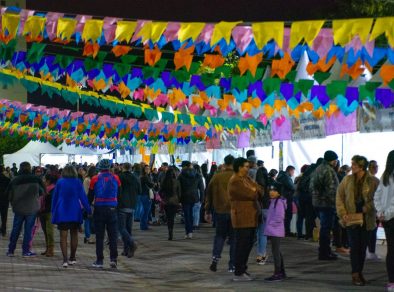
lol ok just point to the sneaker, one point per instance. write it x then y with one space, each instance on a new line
189 236
342 250
10 254
214 266
243 278
72 261
113 264
231 269
372 257
29 254
275 278
261 260
132 250
97 265
65 265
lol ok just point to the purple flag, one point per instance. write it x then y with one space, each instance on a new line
385 96
340 124
281 129
320 92
243 139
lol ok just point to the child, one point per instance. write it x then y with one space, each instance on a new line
275 230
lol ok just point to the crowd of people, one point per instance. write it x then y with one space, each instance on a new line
244 201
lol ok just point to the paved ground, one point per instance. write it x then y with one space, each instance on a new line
180 265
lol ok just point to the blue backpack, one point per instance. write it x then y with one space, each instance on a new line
106 189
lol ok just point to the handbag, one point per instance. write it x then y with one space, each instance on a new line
355 219
151 194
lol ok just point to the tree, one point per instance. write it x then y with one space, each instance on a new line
10 144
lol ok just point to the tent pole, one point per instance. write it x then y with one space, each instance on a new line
342 152
280 155
39 161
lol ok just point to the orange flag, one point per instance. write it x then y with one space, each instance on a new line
387 73
282 67
184 57
152 56
99 84
250 63
354 71
91 49
213 61
321 65
120 50
123 90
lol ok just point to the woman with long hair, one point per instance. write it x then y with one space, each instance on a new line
384 204
170 191
67 212
146 202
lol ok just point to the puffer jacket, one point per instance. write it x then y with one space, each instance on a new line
345 199
323 186
192 186
288 187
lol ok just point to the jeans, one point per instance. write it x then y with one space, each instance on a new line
29 221
224 229
261 238
389 231
188 216
326 216
138 209
244 240
48 229
358 238
86 227
196 214
372 240
125 221
4 215
105 218
145 211
277 255
288 215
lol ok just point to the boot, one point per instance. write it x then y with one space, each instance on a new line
356 280
362 278
170 233
50 251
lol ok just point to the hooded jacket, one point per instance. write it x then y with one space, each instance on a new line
288 187
192 186
131 188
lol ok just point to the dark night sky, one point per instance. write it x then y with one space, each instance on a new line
193 10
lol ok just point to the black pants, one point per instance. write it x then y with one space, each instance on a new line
307 212
288 214
278 258
4 215
372 236
389 230
244 240
358 239
170 214
339 234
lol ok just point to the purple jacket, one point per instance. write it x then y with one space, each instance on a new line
275 218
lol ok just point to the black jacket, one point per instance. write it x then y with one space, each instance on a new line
131 188
288 186
4 182
192 186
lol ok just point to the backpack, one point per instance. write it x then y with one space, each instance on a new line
106 185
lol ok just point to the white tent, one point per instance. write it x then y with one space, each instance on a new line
35 152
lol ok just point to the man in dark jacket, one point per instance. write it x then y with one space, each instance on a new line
4 203
323 186
288 189
127 201
24 191
191 186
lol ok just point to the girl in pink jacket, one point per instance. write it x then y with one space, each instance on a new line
275 230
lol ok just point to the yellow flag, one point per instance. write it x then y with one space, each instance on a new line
34 26
65 28
92 30
145 31
155 149
265 31
384 25
10 23
158 29
190 30
307 30
345 30
223 30
171 148
124 30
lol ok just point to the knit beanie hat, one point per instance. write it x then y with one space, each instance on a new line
330 155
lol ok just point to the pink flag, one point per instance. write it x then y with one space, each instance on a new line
171 32
323 42
242 36
51 24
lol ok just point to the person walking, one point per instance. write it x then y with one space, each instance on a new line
245 196
68 197
24 192
146 197
354 202
170 190
88 221
104 189
4 202
384 204
217 199
45 214
127 200
191 186
323 187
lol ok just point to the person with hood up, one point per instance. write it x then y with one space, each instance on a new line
288 189
191 186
